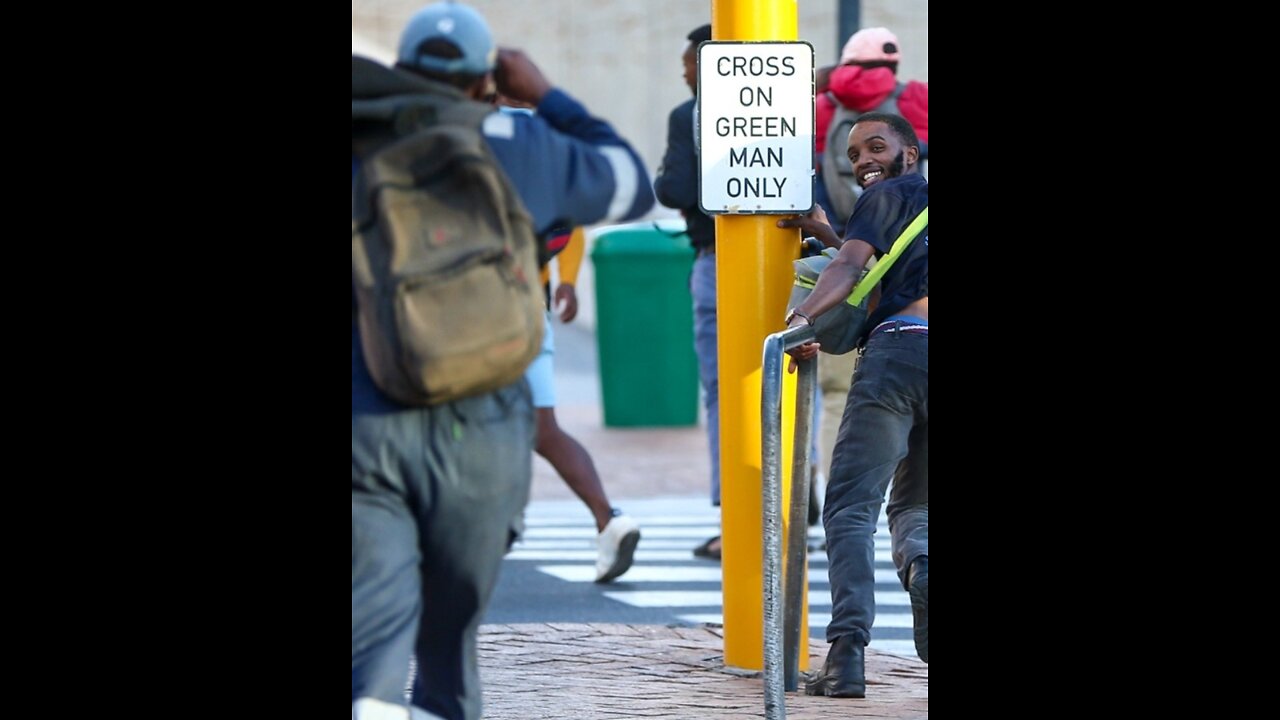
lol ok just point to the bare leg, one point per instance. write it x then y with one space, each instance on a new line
574 465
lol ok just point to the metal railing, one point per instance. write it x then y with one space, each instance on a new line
783 608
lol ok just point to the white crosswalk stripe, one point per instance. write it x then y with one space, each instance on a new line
700 598
560 539
685 573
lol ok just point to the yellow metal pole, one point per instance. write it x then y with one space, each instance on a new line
753 281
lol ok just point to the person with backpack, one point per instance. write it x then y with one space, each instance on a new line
884 435
864 81
439 481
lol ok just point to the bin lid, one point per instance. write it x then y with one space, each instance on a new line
641 241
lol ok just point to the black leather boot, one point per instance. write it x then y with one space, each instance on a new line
918 589
844 672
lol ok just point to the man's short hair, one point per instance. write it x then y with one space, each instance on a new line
896 123
702 33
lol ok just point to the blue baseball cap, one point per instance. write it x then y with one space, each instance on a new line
458 24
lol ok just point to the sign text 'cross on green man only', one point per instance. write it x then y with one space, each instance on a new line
755 127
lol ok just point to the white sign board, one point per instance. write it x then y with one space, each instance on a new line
755 127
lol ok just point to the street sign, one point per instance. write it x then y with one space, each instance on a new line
755 127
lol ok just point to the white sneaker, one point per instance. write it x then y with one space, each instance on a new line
617 547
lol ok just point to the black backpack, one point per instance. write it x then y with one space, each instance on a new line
443 252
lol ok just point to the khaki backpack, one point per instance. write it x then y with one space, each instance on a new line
443 252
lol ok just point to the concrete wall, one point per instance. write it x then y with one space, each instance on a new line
622 59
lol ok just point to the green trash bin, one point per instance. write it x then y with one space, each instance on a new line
644 327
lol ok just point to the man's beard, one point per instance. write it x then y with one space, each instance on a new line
897 166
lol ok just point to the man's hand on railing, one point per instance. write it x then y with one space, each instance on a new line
800 352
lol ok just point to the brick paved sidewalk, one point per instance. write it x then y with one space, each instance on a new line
612 671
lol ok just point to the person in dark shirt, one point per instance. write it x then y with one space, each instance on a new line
884 434
677 187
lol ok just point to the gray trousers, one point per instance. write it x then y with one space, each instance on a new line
884 435
436 498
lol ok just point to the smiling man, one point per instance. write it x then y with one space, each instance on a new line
884 434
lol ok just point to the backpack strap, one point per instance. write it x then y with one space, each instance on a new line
890 104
